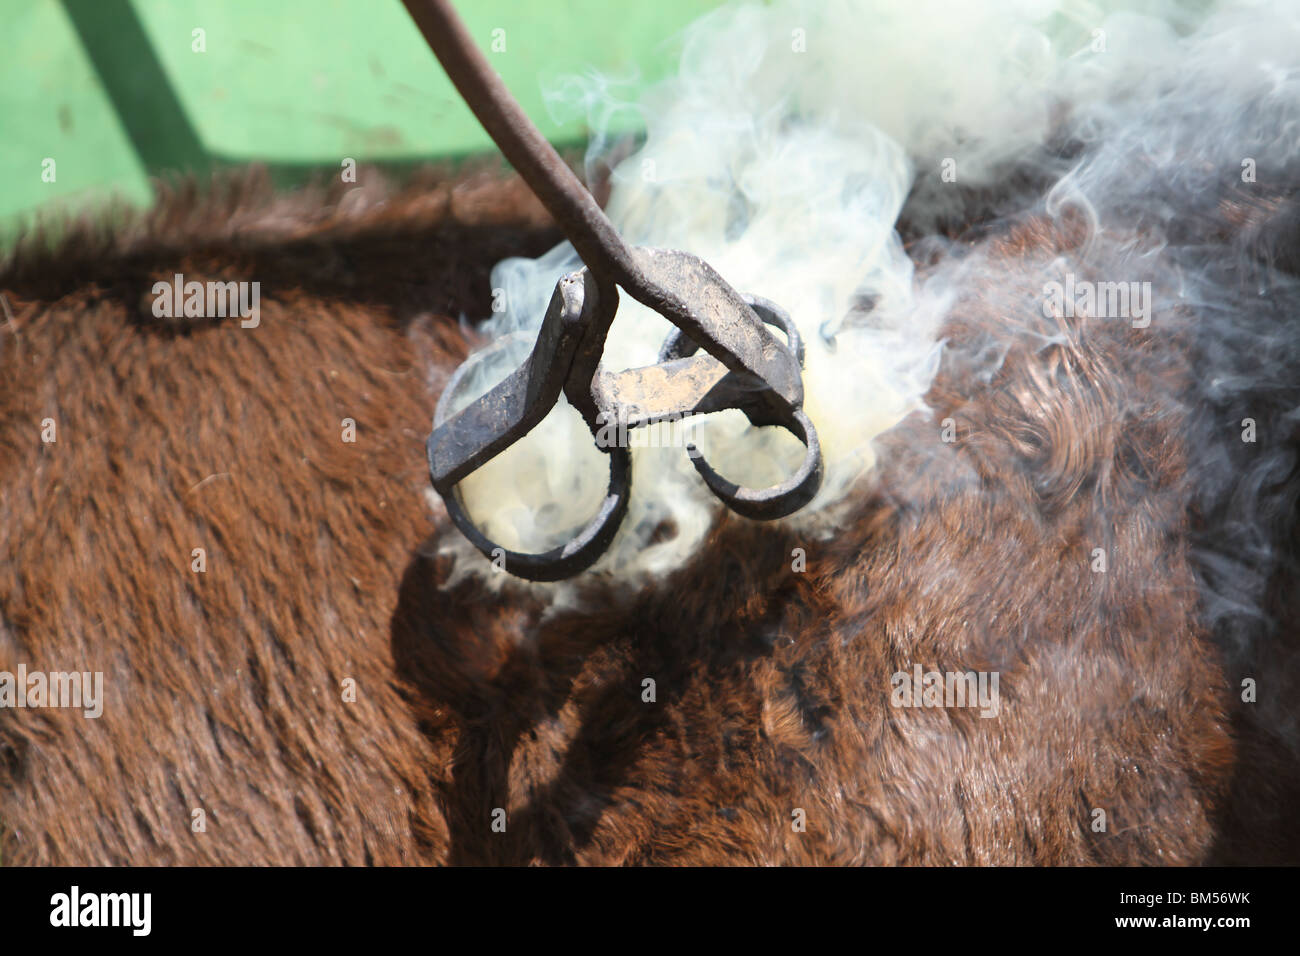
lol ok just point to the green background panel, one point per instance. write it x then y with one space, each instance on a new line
114 91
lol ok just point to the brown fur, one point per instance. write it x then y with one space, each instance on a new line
224 688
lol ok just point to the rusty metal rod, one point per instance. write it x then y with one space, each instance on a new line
575 210
721 322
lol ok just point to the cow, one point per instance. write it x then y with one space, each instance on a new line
234 526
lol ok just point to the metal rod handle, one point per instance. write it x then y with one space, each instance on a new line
561 192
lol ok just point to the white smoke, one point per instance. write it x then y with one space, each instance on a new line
784 151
